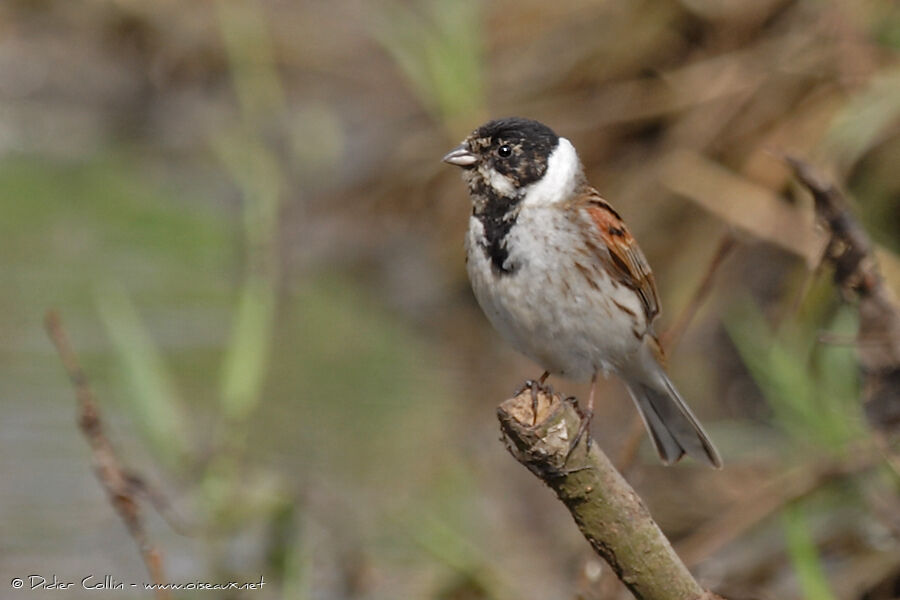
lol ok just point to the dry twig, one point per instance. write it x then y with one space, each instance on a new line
857 277
764 501
606 509
122 486
878 343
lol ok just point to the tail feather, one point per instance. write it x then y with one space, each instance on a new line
673 427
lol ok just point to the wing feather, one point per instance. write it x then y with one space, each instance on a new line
624 256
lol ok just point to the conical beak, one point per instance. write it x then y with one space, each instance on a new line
460 156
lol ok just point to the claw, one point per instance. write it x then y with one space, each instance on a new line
535 387
534 402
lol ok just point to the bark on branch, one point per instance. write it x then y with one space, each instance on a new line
122 486
606 509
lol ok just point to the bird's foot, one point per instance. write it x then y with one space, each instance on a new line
535 385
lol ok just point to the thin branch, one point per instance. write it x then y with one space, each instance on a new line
763 502
672 336
120 485
856 274
606 509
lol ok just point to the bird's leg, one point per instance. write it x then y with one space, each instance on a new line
586 415
535 385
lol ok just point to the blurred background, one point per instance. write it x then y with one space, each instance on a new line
239 209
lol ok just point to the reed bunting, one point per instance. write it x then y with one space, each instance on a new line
558 274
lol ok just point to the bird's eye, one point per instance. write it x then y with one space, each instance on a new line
504 151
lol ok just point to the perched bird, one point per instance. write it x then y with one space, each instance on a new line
558 274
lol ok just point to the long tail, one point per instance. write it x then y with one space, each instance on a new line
673 427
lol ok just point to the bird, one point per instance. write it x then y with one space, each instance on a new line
560 277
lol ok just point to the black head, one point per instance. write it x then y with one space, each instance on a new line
516 149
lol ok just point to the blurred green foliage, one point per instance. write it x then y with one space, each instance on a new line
152 398
805 556
243 200
60 204
256 172
438 46
812 388
813 391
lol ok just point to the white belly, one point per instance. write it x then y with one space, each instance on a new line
546 308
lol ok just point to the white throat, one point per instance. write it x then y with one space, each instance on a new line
559 181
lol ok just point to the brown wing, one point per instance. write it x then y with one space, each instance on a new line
625 258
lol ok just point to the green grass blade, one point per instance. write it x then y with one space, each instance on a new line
248 351
805 556
153 401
